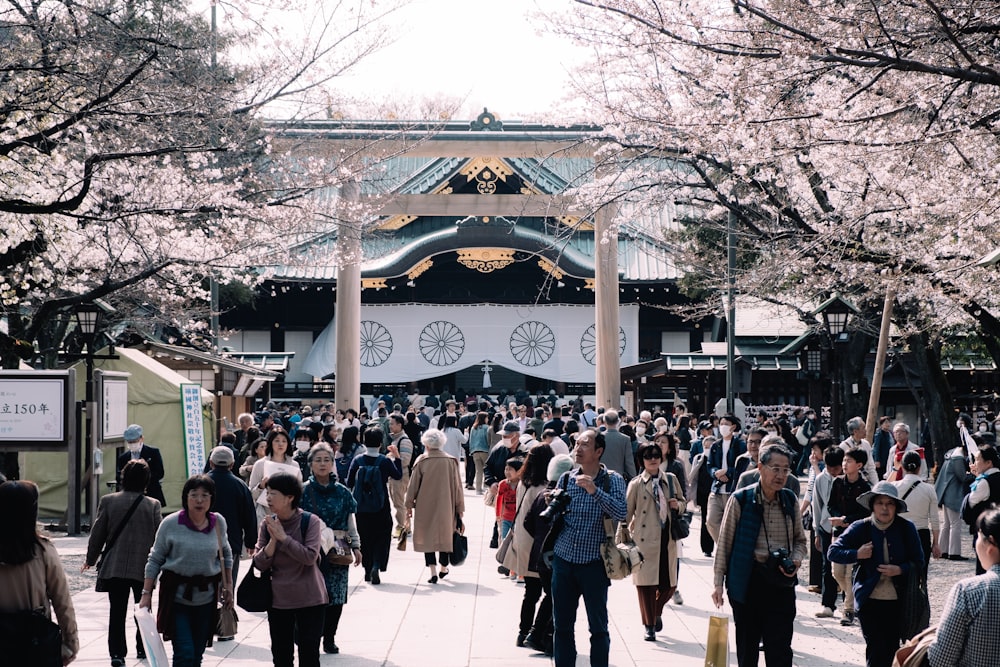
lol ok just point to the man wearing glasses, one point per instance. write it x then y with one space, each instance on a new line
748 473
760 547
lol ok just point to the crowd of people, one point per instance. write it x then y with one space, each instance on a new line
285 487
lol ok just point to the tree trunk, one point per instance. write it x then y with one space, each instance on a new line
852 357
935 394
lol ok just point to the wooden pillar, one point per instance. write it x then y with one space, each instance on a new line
347 323
608 379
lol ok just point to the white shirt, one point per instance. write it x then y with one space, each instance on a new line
921 504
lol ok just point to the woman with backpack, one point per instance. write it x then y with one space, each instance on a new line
369 476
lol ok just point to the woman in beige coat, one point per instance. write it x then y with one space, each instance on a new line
648 525
435 489
533 481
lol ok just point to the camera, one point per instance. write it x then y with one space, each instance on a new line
784 563
558 505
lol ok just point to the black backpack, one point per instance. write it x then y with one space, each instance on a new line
369 489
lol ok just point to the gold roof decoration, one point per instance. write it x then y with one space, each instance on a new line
373 283
486 260
415 272
549 267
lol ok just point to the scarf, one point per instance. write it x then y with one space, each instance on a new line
660 500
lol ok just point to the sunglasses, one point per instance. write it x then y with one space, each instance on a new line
649 456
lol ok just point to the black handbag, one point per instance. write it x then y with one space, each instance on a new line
30 638
254 593
459 546
679 526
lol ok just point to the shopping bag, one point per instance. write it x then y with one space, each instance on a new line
717 646
156 652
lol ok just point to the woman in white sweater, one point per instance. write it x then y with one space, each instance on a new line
277 459
922 505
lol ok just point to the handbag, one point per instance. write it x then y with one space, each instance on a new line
401 540
717 646
226 621
807 519
619 559
679 526
254 593
30 638
101 585
459 544
914 652
340 553
501 553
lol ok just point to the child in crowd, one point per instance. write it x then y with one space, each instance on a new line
507 502
845 510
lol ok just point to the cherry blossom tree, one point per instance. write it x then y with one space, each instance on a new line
853 143
134 156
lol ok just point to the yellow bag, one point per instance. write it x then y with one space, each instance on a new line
717 646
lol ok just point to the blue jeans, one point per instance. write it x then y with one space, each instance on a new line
505 527
194 626
569 582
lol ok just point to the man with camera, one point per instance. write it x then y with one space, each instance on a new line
761 545
593 492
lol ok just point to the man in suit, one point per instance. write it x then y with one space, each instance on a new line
618 454
138 449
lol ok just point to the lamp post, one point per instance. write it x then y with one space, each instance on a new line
88 316
835 313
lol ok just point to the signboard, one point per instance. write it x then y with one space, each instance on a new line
34 408
112 406
194 432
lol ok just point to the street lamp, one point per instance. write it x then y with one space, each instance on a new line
836 312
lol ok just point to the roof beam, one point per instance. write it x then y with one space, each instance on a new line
479 205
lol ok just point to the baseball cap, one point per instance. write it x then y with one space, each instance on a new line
132 433
222 455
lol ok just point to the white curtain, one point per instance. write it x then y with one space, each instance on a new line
401 342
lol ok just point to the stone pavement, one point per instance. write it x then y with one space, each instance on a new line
470 618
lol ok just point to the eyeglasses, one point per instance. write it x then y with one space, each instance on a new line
781 472
649 456
753 442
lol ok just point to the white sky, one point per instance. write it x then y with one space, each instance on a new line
485 52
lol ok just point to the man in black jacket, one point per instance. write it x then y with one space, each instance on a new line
234 502
508 447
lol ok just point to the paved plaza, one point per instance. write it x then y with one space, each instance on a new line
470 618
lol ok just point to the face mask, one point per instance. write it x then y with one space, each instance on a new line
770 432
982 428
958 424
640 430
302 445
725 430
135 447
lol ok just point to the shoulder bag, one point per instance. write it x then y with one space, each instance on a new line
335 547
679 526
914 652
254 593
30 637
226 619
101 585
619 559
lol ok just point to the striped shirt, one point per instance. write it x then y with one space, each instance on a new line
969 627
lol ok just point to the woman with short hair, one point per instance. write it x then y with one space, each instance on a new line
185 557
288 545
120 540
435 491
650 497
333 503
31 574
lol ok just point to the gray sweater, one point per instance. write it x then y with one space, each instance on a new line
188 553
